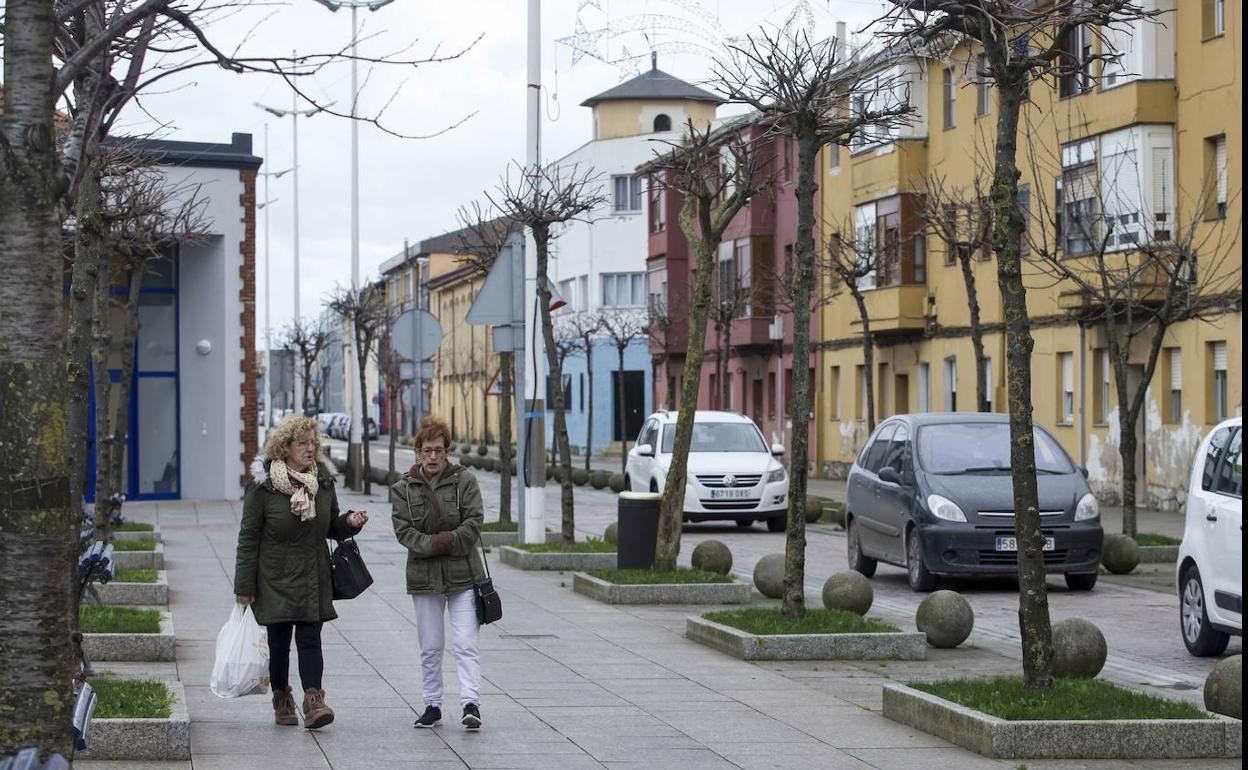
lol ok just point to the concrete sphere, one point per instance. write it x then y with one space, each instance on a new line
1079 649
712 556
848 591
769 575
599 479
814 509
616 482
947 619
612 535
1120 554
1224 689
580 477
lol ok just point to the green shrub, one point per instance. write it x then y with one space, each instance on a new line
106 619
134 575
131 699
1077 699
134 526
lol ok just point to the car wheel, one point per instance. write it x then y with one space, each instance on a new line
916 571
863 565
1200 637
745 523
776 523
1081 581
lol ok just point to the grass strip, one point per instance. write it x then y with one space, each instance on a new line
1081 699
498 526
588 545
105 619
635 577
131 699
134 526
764 621
134 545
134 575
1147 538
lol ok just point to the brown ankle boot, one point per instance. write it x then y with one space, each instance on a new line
315 712
284 707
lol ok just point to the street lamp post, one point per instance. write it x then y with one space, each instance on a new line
354 450
294 113
268 293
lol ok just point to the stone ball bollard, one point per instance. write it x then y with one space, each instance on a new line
712 556
947 619
580 477
1120 554
616 482
814 509
1079 649
848 591
1224 688
612 535
599 479
769 575
482 450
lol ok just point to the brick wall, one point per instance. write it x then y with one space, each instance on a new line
247 317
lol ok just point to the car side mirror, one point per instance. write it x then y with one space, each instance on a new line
889 474
1083 472
777 450
645 450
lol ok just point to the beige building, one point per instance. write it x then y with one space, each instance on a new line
1147 150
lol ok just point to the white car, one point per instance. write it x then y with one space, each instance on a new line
732 474
1210 568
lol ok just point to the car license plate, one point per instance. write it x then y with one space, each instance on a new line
1011 544
729 494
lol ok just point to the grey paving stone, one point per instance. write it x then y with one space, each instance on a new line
930 759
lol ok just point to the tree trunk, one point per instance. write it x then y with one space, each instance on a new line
362 345
125 387
723 333
307 379
671 510
1127 447
619 410
589 418
504 439
38 529
982 396
392 413
541 237
1033 597
89 246
868 358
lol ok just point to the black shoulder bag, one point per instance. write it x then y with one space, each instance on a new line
349 575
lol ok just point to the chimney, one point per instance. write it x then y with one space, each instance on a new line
654 60
840 34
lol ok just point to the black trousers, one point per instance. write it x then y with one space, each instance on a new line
308 642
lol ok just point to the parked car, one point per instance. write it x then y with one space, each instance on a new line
732 474
933 493
1210 569
339 426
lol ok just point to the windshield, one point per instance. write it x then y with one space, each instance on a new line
955 448
718 437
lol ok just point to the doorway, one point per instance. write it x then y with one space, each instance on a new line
634 384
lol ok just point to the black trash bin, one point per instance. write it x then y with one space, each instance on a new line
637 523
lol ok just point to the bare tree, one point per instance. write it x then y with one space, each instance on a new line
819 94
623 329
961 219
663 317
369 316
307 340
1139 270
713 173
1023 44
542 199
390 364
853 262
585 327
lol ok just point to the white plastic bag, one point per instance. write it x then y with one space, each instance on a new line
242 663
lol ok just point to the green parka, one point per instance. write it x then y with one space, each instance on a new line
416 521
283 561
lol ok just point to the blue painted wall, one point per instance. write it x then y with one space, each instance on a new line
605 358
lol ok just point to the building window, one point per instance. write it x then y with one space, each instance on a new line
658 207
951 384
860 388
1101 394
1173 374
983 89
1078 195
834 385
568 290
1212 18
662 122
883 407
988 382
950 96
1066 394
923 402
1215 162
626 193
1076 63
581 402
623 289
834 158
1217 356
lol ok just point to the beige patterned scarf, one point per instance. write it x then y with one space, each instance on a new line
302 494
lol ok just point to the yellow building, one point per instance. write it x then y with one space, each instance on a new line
1150 146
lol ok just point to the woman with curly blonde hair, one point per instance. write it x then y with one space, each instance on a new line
282 566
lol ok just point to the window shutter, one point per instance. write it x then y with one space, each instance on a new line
1068 373
1219 148
1080 184
1176 369
1206 18
1105 371
1219 356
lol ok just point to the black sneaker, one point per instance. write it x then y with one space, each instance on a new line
431 717
472 717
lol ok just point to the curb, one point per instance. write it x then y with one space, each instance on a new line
130 739
141 559
1063 739
736 592
746 646
1158 554
521 559
152 535
142 594
140 648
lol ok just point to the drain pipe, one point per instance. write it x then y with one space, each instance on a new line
1083 394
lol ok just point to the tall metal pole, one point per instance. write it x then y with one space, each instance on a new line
294 130
268 303
532 411
355 452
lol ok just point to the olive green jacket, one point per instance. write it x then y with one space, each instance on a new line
284 562
416 521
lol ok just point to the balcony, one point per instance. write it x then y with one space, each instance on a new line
896 309
888 170
1102 110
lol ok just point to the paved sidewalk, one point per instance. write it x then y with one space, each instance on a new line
568 683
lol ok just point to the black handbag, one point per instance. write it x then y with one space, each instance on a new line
350 577
489 604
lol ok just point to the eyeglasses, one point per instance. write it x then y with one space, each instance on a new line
432 451
305 444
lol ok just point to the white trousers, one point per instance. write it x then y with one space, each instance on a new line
465 644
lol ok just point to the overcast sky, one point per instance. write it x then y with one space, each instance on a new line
412 188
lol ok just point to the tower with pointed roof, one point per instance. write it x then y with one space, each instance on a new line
652 102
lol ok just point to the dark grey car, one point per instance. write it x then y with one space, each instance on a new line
932 493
